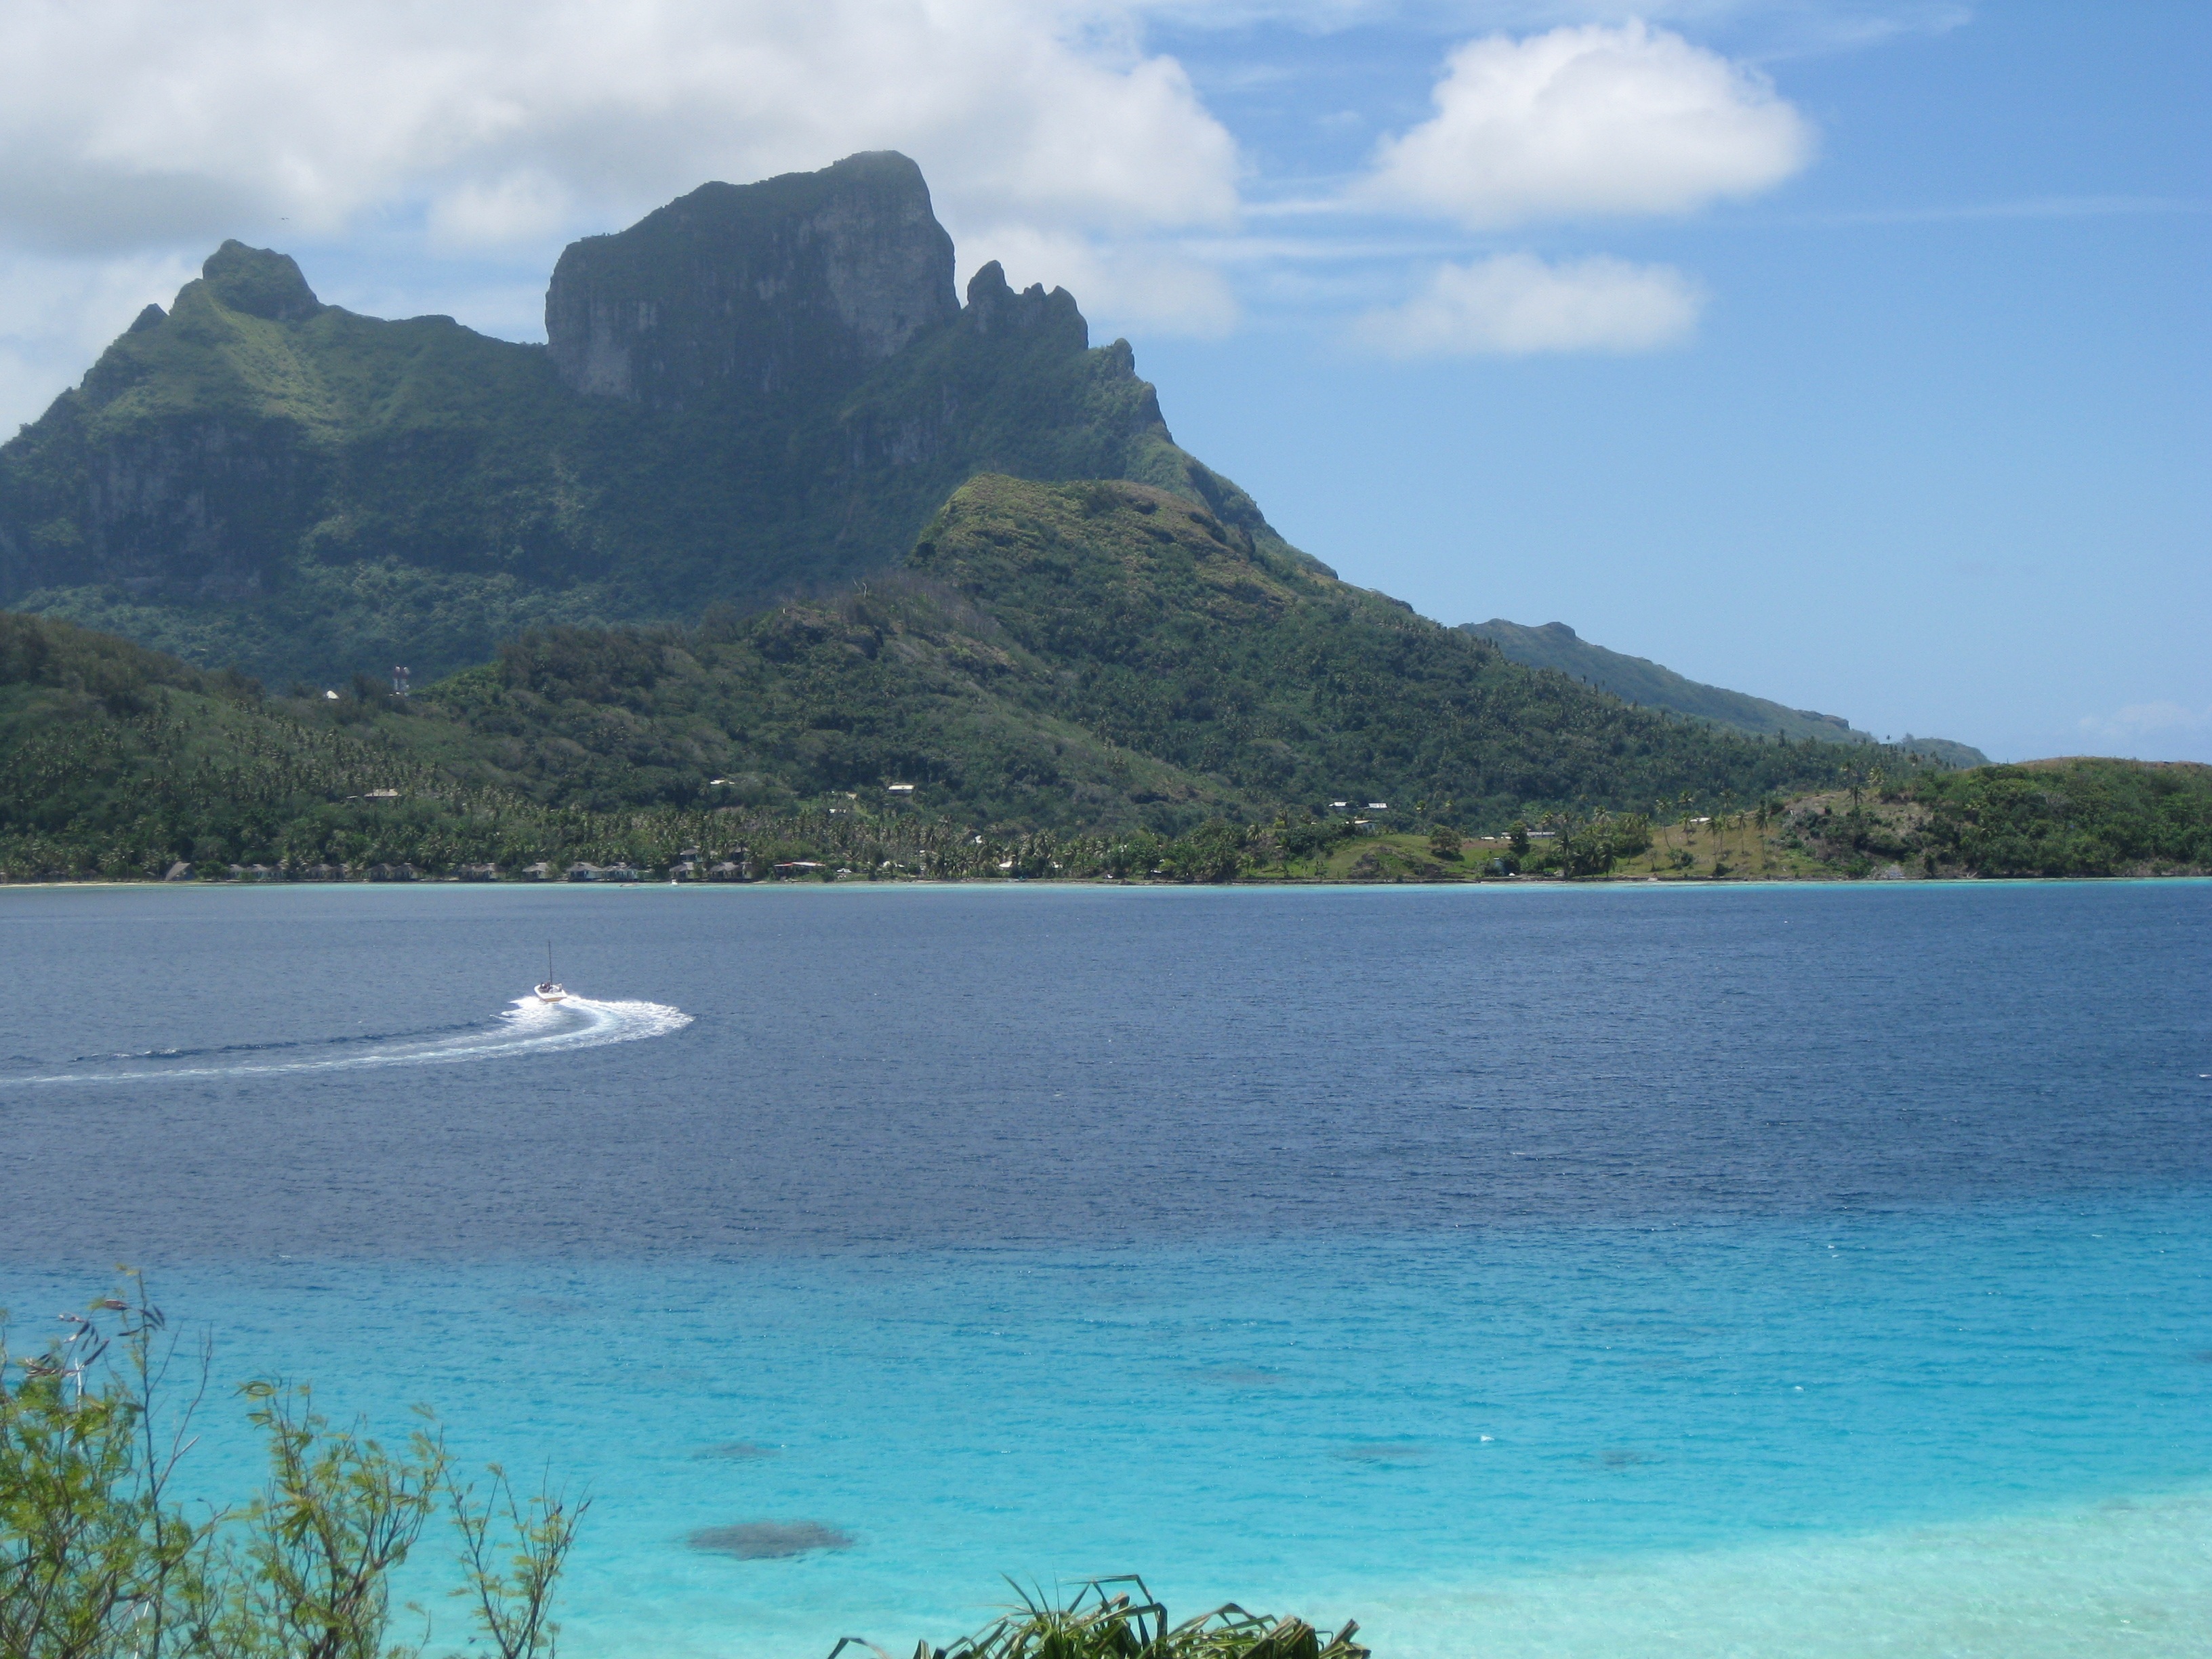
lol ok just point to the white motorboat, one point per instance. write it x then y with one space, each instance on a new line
548 989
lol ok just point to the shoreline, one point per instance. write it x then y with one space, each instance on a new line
1267 884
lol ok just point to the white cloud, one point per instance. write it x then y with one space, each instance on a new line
1793 27
1516 305
126 122
524 206
1585 121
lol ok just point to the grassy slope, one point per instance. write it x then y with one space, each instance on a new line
2076 817
2070 817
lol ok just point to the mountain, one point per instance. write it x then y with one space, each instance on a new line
775 519
755 391
1101 653
1643 682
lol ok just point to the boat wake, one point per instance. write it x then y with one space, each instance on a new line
529 1027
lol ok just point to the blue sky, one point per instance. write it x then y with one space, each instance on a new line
1938 456
1853 355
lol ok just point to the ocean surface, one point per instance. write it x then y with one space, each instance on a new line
1521 1270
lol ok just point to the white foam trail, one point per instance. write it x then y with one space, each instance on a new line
529 1027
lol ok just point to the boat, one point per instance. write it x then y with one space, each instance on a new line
550 989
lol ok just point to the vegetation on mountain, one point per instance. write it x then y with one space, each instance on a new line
1175 635
1649 685
778 556
1103 655
257 478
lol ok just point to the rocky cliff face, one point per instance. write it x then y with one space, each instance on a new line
795 285
166 484
993 308
259 282
755 391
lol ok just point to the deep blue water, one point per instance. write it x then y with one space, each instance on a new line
1407 1253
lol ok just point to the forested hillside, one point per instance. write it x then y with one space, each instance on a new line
1094 655
584 752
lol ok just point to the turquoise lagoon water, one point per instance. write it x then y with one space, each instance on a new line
1519 1271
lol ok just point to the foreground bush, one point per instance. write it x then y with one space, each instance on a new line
1103 1623
98 1560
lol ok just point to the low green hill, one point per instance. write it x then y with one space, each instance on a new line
2081 816
1650 686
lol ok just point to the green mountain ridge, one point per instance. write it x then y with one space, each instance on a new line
1650 686
255 477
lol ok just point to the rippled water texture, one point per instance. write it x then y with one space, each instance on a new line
1521 1271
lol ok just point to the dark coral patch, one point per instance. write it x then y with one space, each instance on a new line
1395 1451
768 1540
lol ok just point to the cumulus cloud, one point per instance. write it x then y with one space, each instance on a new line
522 206
129 123
134 134
1797 25
1516 305
1585 121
